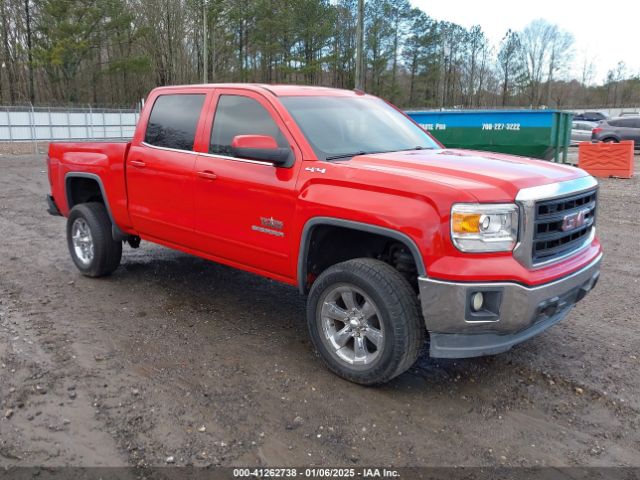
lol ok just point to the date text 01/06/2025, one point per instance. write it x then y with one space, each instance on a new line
315 473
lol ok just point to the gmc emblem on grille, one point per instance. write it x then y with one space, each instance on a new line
574 220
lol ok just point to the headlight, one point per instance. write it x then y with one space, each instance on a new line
484 227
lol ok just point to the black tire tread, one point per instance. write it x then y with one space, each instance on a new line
107 251
401 300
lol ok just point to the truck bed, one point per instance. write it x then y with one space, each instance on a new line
102 162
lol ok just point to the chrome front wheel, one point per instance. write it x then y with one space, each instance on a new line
364 321
351 325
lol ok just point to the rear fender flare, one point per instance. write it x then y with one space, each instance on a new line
116 233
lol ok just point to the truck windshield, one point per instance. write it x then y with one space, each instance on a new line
342 127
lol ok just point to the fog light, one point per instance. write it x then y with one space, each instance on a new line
477 301
483 306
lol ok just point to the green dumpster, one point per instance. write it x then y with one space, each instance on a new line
544 134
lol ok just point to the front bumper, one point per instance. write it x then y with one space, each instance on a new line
520 312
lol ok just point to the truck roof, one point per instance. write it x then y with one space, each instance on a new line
277 90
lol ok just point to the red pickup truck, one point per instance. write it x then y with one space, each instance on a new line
393 237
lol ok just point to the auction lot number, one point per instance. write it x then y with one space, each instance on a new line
315 473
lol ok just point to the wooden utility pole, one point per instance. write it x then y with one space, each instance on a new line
360 47
32 97
205 58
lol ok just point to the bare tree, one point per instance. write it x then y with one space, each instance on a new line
398 13
536 40
588 71
509 61
478 46
8 41
560 54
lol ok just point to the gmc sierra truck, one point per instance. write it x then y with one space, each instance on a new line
393 238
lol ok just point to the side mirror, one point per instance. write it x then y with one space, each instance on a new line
259 147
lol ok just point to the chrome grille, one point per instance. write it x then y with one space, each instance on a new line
562 225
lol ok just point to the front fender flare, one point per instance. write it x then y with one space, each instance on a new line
365 227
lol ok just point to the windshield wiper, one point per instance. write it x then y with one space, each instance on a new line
345 155
362 152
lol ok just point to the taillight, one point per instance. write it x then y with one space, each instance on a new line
596 131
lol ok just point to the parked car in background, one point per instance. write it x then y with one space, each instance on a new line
617 129
591 116
581 131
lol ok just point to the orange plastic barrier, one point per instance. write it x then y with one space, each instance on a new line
607 159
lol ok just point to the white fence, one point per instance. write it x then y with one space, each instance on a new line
35 124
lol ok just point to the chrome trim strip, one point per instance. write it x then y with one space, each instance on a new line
244 160
169 149
480 285
527 198
555 190
211 155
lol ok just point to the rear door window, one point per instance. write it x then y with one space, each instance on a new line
173 121
625 123
238 115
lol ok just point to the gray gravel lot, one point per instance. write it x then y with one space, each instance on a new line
174 356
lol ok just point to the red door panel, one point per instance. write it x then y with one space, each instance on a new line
160 185
244 209
160 165
246 214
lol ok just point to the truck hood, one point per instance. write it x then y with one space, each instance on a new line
490 177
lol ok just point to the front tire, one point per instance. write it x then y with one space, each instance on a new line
92 248
364 321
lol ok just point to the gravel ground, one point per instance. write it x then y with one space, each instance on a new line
175 359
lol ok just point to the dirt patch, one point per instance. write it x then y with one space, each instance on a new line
22 148
173 356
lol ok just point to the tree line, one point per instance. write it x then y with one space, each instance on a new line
112 52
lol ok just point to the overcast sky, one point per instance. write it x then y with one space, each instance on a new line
605 32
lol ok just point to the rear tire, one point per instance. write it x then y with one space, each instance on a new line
91 245
610 140
364 321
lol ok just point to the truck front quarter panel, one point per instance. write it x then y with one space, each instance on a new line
335 193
